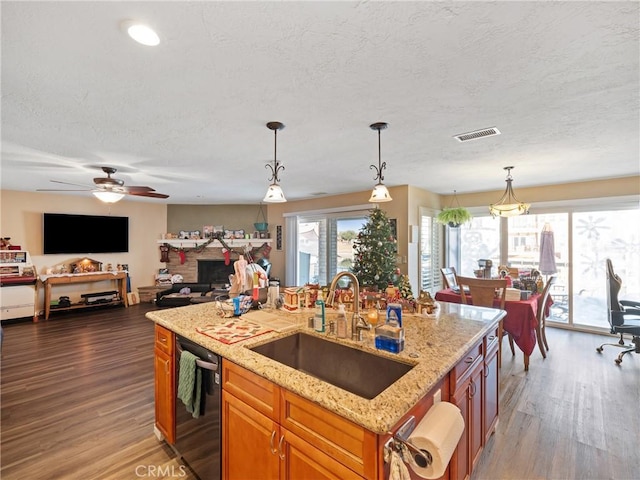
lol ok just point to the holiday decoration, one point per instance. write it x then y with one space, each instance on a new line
405 287
375 252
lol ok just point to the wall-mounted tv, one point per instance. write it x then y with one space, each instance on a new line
64 233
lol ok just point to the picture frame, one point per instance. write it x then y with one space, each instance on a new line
207 231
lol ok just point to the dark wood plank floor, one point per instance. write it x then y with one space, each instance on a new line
77 403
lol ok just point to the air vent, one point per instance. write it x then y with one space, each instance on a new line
485 132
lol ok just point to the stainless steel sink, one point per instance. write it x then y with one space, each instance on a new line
359 372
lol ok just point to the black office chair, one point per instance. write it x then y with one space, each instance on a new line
621 318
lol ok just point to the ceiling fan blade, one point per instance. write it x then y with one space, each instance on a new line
149 194
74 184
58 190
138 189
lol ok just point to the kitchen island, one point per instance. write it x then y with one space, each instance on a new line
446 350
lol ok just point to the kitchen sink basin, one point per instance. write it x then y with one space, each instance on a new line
359 372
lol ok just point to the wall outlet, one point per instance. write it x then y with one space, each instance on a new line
437 397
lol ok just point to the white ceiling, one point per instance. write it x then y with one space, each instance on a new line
560 80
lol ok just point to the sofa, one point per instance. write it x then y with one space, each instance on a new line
177 296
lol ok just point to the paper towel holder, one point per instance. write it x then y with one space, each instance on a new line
400 439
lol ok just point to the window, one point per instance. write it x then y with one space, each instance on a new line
324 244
430 241
583 238
479 239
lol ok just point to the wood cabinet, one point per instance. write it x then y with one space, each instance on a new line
467 394
490 387
165 383
271 433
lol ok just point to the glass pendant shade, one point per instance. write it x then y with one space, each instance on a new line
109 197
508 205
274 194
380 193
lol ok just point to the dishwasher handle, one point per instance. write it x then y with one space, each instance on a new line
201 363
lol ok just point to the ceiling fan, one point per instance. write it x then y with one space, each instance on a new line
109 189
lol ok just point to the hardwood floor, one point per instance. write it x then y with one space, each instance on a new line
77 403
77 399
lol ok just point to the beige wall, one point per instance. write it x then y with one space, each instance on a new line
21 219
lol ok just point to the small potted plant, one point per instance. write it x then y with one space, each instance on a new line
454 216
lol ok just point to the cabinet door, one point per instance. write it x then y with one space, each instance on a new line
476 434
249 442
303 461
164 395
459 464
491 394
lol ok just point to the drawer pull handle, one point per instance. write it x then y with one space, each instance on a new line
281 454
492 338
468 360
473 388
272 447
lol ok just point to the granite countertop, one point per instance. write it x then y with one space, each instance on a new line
434 344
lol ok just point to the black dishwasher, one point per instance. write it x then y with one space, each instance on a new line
198 440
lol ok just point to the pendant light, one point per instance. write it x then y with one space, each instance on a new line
508 205
380 192
274 193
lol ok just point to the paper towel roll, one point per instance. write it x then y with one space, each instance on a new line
437 433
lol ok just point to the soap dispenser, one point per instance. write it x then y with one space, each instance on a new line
341 322
319 318
390 335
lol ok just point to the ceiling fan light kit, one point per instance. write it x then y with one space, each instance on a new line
508 205
109 189
274 192
380 193
108 197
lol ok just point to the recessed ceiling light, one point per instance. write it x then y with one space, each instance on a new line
141 33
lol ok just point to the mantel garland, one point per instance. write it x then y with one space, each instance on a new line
165 248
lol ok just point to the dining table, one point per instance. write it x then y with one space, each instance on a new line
520 321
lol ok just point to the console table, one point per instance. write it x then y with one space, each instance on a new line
64 279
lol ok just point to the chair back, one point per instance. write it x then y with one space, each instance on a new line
449 277
614 284
482 291
546 291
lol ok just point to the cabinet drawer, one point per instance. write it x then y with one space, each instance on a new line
164 339
464 366
251 388
346 442
491 341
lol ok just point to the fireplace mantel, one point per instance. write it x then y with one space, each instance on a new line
232 242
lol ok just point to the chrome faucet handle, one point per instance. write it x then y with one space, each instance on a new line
359 324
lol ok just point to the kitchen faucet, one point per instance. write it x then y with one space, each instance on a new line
357 322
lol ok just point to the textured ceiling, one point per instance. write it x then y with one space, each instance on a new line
560 80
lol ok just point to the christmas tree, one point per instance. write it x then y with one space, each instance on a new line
375 252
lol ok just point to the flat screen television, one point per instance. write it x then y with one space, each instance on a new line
65 233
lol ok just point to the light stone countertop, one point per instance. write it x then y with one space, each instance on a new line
434 344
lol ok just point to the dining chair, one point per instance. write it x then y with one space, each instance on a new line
449 277
541 317
482 293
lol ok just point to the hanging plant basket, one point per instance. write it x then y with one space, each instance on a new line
454 217
261 226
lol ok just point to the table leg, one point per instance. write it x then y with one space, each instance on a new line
47 300
122 282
